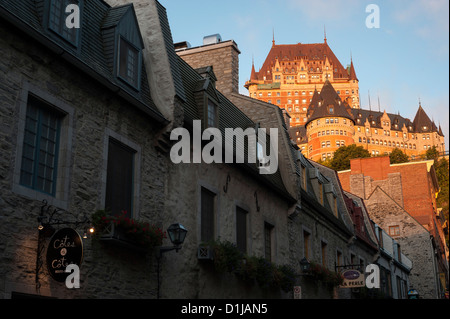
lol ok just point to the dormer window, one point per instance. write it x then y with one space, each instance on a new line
128 63
59 16
331 109
212 114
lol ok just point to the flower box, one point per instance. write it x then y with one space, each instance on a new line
127 232
117 236
205 253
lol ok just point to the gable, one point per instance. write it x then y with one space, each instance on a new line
383 209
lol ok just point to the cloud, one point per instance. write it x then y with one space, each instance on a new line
428 18
325 10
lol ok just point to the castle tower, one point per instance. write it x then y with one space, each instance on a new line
332 123
291 72
329 124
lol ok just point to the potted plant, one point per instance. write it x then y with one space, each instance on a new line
323 274
125 231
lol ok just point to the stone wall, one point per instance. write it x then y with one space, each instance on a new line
92 115
414 240
200 278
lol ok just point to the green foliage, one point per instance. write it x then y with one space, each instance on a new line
432 153
228 258
442 200
321 273
343 155
397 156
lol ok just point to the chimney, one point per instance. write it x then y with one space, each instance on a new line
223 56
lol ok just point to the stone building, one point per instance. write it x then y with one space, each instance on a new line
99 102
78 131
332 123
321 228
292 72
401 199
395 267
291 75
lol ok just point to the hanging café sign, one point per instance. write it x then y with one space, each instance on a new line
353 278
64 256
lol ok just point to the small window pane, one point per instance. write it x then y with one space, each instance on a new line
128 63
40 147
57 19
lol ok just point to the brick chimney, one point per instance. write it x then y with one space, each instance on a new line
222 56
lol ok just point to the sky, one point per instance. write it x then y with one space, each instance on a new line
403 60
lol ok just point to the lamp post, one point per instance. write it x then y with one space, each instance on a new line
305 266
177 235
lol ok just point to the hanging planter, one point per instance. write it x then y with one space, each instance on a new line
323 274
250 269
127 232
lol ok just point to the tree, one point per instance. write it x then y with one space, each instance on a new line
442 200
397 156
343 155
432 153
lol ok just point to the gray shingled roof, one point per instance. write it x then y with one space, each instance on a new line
89 56
230 116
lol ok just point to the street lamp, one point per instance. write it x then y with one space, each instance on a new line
305 265
177 235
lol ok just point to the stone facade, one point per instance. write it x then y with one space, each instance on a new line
414 240
92 115
317 228
299 211
163 192
401 199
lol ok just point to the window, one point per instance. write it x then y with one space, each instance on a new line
335 207
380 237
212 114
324 253
306 239
304 177
57 20
40 147
321 193
129 63
338 258
207 228
268 229
394 230
119 181
241 229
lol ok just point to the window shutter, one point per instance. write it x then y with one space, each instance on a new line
207 215
119 184
241 229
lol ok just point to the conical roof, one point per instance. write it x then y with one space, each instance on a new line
422 122
327 103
